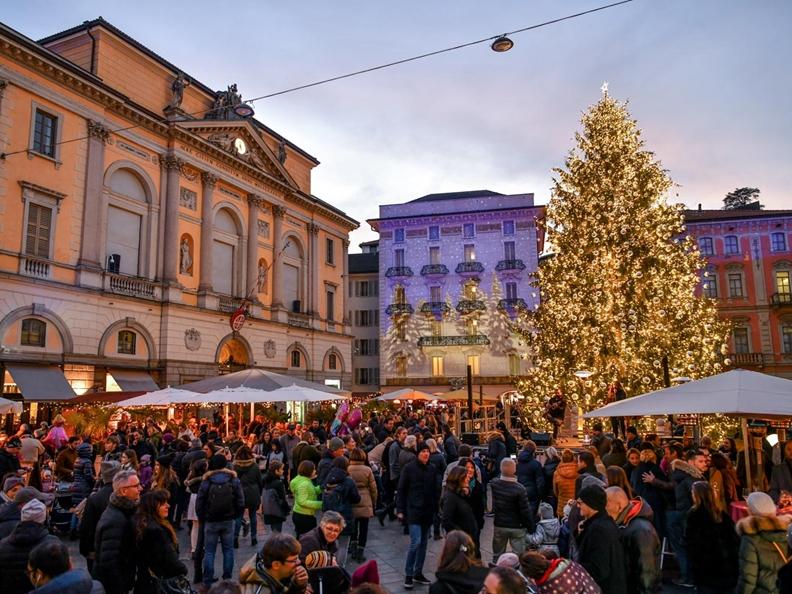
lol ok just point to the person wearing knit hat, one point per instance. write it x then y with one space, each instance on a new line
368 573
10 487
26 494
335 448
15 549
600 551
108 469
761 504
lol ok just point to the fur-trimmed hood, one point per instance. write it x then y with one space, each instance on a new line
753 525
683 466
212 473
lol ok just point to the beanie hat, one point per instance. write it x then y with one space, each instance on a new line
165 461
509 560
217 462
195 443
594 496
108 469
589 480
545 511
317 559
335 444
11 482
168 437
760 504
34 511
26 494
368 573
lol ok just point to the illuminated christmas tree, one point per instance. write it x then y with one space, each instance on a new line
620 293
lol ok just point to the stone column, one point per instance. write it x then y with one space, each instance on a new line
277 246
208 181
170 266
255 204
314 290
344 284
90 264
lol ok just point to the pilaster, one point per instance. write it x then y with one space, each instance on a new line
278 313
314 264
255 204
172 166
89 265
206 298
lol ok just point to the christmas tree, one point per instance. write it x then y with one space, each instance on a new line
620 293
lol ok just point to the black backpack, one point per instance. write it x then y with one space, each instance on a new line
331 499
220 501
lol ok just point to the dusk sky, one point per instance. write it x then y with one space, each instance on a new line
709 82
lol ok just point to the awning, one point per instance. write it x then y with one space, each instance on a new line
40 382
104 397
133 380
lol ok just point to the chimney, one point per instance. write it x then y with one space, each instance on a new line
699 205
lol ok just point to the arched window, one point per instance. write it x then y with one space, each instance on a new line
126 212
332 361
296 358
34 333
127 342
225 252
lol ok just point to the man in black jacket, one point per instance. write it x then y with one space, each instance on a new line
16 547
639 539
531 474
115 536
94 508
416 504
9 457
599 548
512 510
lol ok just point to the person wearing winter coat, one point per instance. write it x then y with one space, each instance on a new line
508 439
16 547
275 569
93 510
250 478
496 451
307 498
450 445
456 512
639 539
650 491
458 569
564 480
50 571
407 452
145 471
711 543
548 529
275 507
762 546
363 510
617 456
600 551
683 475
559 576
115 563
340 494
530 474
83 473
586 467
324 537
335 448
156 546
513 517
551 462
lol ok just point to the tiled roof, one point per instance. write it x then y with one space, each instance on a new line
457 195
362 263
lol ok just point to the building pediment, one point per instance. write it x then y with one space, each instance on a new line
240 140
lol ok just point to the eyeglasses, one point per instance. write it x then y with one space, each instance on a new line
293 561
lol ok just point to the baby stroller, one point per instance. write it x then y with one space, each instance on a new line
61 516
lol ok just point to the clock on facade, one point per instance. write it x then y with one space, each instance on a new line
240 146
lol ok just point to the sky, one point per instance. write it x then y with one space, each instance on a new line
707 80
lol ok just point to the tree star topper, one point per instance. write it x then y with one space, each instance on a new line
604 88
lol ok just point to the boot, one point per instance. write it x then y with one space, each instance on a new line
359 556
352 551
381 513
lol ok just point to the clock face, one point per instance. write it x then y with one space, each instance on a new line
240 146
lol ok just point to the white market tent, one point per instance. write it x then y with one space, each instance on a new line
245 395
406 394
165 397
737 393
9 406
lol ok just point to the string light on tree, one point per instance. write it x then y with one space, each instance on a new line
620 292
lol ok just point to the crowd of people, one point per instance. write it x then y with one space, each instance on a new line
584 521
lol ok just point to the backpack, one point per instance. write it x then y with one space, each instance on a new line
331 499
220 501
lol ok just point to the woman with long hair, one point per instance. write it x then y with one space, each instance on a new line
457 513
166 478
711 543
252 482
363 510
193 482
616 477
458 569
129 460
723 479
261 449
156 545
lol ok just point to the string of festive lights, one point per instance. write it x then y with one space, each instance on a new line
495 38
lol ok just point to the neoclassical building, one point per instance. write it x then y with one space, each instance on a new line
139 209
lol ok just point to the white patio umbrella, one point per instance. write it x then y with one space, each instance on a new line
165 397
244 395
9 406
736 393
406 394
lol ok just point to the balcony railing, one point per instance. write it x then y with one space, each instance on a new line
510 265
747 359
469 268
467 306
130 285
781 299
512 304
35 267
434 270
398 271
229 304
395 309
443 341
436 308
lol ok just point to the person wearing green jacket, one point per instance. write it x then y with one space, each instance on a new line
763 546
307 498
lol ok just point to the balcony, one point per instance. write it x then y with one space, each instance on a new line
398 271
130 285
747 359
470 268
510 305
434 270
467 306
447 341
35 267
229 304
436 308
781 299
508 265
399 309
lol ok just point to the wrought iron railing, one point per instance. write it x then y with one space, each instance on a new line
512 304
467 306
395 309
434 269
781 299
475 339
469 267
510 265
435 307
398 271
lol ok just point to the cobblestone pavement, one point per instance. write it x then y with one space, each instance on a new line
388 545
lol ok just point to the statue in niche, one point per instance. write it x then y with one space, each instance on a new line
262 276
178 85
186 261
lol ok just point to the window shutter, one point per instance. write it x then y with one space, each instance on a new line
38 231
